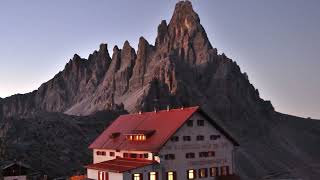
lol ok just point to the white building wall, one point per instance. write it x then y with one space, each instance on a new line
222 147
107 157
115 176
92 174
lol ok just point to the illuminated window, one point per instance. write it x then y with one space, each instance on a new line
171 175
153 176
102 175
214 171
200 138
190 123
191 174
190 155
186 138
203 173
112 154
139 137
137 176
200 122
224 170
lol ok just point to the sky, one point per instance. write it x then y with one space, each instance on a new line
276 42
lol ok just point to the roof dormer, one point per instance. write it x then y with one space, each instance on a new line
139 135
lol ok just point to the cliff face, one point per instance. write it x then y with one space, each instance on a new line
181 69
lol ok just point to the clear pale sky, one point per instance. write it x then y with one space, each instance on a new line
277 42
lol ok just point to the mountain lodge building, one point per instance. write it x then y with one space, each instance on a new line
173 144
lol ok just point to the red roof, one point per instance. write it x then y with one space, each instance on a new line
120 165
163 124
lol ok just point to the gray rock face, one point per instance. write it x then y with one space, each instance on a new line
181 69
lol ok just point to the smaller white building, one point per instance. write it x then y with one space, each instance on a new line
176 144
15 171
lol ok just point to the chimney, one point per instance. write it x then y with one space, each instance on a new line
168 107
155 110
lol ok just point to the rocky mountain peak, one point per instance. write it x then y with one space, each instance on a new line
76 57
184 17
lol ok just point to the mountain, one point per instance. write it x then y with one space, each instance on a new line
182 68
55 143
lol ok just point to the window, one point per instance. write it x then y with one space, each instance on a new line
224 170
211 154
153 176
146 155
191 174
133 155
171 175
200 138
186 138
139 137
103 175
137 176
190 155
169 157
112 154
101 153
203 154
125 155
203 173
214 171
175 138
214 137
200 122
190 123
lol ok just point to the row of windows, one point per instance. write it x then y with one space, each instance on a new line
151 176
126 155
200 122
201 154
135 155
203 173
191 155
191 173
199 138
136 137
103 153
